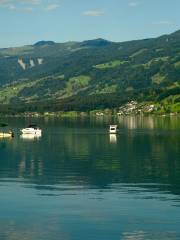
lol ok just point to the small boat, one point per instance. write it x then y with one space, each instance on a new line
9 134
32 129
113 129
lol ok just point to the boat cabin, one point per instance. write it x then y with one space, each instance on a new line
113 129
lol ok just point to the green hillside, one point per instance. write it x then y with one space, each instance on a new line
98 72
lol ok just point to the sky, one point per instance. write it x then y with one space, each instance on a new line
24 22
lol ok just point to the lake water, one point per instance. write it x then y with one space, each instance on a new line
77 182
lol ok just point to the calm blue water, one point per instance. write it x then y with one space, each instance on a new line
79 183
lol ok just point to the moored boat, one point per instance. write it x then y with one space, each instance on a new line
32 129
113 129
6 134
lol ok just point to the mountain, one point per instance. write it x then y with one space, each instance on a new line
44 43
95 43
99 71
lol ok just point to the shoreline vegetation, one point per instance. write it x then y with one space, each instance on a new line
130 108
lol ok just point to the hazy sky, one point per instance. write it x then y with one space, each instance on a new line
28 21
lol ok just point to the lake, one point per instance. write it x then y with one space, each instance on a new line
78 182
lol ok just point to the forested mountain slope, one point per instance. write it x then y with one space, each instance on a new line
46 71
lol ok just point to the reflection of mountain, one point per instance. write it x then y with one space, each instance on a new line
85 155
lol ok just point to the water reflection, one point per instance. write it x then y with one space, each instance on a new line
83 183
2 144
83 153
149 122
113 138
31 136
142 235
135 122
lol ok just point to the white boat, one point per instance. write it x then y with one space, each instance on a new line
32 129
6 135
113 129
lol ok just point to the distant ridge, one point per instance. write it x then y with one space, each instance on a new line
44 43
99 42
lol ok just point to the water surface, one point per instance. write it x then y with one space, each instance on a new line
78 182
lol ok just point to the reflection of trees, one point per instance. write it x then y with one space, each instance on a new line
82 156
149 122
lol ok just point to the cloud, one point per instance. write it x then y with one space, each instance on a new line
52 7
27 9
3 2
29 5
30 2
19 5
163 22
25 5
133 4
15 2
11 6
93 13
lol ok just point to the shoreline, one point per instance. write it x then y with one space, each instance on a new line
84 115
